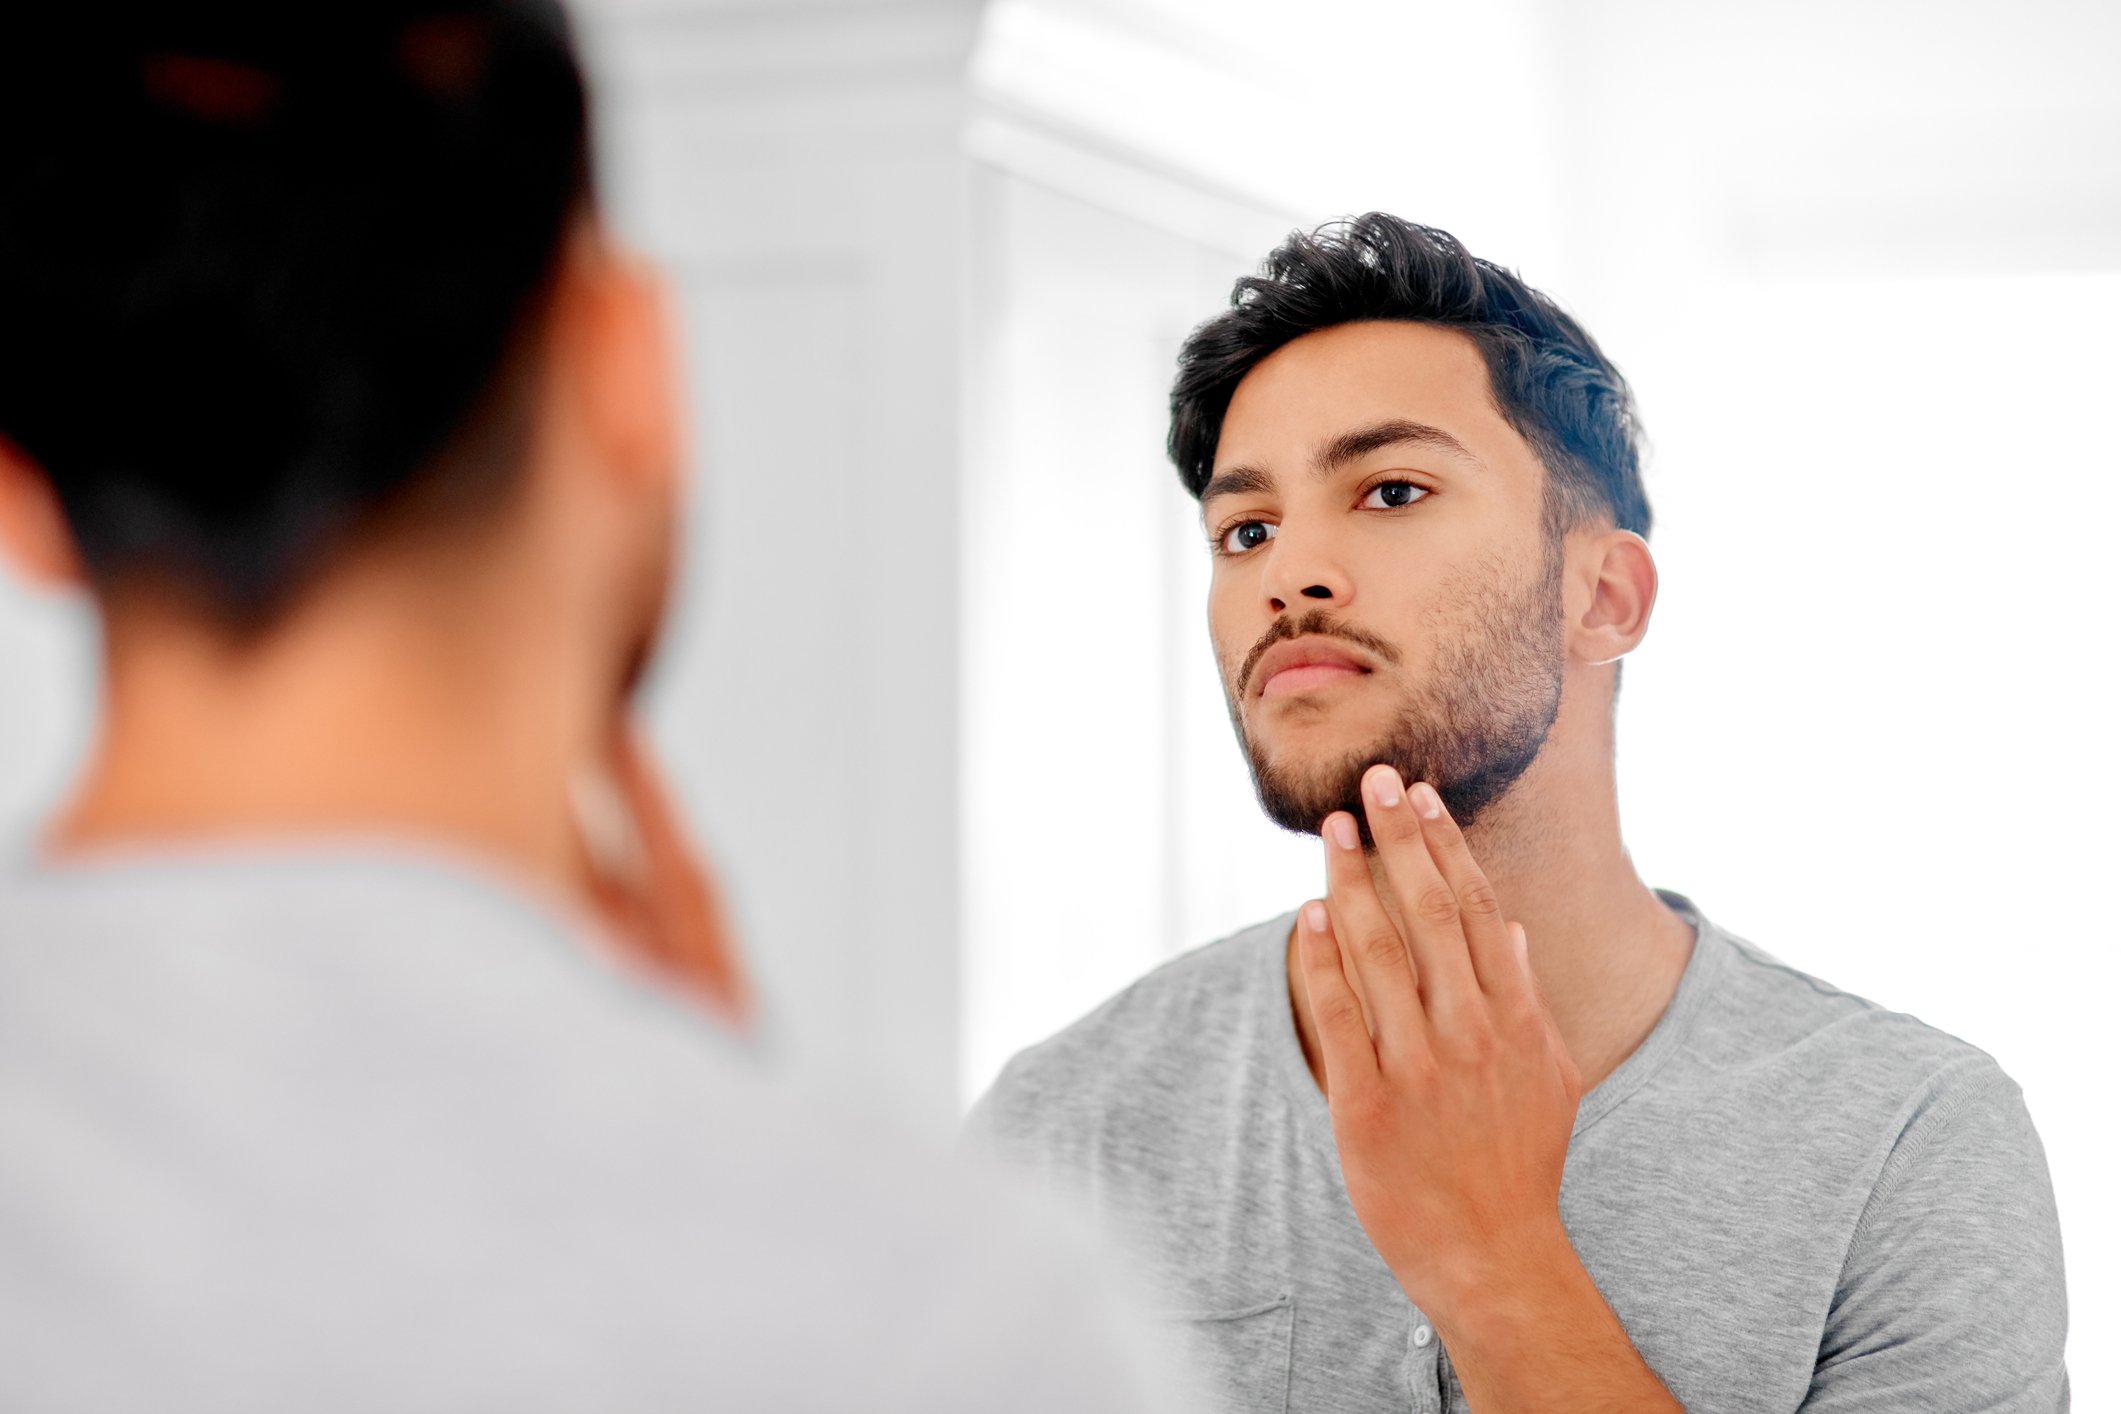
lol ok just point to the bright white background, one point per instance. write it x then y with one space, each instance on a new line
938 690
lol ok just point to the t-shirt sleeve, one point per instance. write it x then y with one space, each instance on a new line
1952 1298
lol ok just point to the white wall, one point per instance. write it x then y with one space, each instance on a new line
1084 659
797 167
1872 729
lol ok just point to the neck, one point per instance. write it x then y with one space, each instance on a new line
372 710
1606 950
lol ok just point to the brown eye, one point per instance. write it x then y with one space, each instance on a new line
1246 535
1391 495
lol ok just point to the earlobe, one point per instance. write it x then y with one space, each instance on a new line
1623 592
33 530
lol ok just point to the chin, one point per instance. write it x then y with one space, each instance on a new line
1300 782
1300 785
1315 749
1316 727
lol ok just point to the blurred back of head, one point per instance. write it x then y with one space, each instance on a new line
271 276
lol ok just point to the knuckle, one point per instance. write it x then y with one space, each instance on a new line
1365 1106
1476 899
1472 1038
1528 1024
1420 1072
1436 904
1337 1012
1383 945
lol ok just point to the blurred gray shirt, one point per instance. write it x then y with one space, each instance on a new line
1792 1198
319 1131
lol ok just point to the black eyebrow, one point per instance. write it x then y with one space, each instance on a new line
1237 481
1394 432
1348 447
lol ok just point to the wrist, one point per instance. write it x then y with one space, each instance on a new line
1511 1285
1530 1322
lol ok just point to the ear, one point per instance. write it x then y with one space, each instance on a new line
613 347
1622 578
33 530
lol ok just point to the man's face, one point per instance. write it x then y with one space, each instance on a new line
1384 586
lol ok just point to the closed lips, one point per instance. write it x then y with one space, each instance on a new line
1307 662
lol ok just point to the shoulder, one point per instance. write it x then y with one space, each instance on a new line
1153 1045
421 1053
1763 1012
1839 1094
1950 1291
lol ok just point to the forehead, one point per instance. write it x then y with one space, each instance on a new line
1353 375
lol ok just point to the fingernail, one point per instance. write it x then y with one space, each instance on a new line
1383 782
1342 829
1315 916
1427 803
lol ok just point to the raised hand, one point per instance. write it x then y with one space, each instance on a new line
1451 1093
650 883
1452 1098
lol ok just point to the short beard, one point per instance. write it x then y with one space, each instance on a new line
1491 699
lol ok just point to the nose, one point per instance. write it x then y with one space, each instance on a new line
1299 568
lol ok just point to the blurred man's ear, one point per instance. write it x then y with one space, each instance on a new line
621 359
33 530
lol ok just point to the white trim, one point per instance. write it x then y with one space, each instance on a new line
1129 183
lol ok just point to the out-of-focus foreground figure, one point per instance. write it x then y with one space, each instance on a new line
339 1061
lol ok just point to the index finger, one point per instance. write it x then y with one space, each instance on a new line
1345 1050
1487 933
1366 932
1427 902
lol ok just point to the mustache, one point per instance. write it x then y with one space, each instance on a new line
1319 622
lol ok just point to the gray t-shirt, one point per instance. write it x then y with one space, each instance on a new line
1793 1199
321 1132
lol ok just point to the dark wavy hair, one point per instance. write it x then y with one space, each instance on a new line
1548 378
269 274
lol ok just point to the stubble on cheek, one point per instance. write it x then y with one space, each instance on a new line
1469 717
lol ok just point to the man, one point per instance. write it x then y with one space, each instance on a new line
340 1066
1494 1126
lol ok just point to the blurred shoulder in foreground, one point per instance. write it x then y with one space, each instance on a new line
364 1128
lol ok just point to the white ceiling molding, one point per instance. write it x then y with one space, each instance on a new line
1126 182
1228 120
723 51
